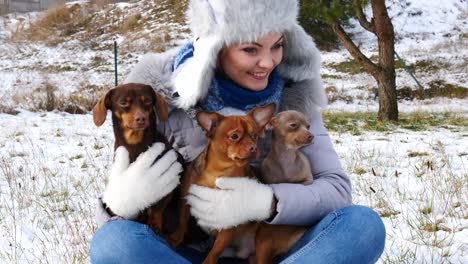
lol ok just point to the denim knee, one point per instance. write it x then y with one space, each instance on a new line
369 223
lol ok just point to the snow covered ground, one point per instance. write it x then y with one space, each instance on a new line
53 164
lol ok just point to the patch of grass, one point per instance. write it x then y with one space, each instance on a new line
429 227
131 23
357 122
333 94
389 213
350 66
427 66
8 110
331 76
359 171
437 88
17 154
426 210
413 154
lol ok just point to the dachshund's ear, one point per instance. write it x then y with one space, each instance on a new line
161 107
100 109
209 121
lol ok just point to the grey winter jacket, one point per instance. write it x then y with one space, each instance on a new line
297 204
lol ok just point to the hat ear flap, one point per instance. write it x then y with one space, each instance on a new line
193 78
301 58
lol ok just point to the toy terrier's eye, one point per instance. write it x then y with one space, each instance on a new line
123 104
234 137
147 101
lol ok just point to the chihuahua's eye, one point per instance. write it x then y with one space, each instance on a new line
124 104
308 126
293 125
234 137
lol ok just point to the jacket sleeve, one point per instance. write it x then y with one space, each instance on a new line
331 189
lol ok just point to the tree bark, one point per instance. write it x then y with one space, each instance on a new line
383 71
388 105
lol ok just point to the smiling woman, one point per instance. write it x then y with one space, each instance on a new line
236 62
250 65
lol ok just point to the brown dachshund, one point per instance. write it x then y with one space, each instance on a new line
135 109
232 144
284 164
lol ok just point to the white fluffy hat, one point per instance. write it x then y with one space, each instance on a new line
217 23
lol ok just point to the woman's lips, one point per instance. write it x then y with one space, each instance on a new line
258 75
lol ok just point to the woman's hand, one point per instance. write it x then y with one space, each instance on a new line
134 187
237 201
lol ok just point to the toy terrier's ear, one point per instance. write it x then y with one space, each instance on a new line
161 107
209 121
100 109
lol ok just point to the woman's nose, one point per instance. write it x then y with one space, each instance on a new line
266 62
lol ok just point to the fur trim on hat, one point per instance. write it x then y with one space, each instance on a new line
218 23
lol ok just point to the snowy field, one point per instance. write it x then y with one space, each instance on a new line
53 164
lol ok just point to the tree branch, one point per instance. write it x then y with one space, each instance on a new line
371 67
369 26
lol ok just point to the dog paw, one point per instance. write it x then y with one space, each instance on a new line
175 239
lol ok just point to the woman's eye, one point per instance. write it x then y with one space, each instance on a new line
278 45
250 50
234 137
148 102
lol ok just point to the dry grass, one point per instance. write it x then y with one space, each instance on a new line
96 21
48 97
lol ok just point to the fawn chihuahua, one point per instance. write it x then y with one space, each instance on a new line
232 144
284 164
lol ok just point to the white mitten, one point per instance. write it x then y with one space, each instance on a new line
133 187
237 201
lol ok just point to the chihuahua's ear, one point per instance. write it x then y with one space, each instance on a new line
100 109
209 121
263 114
161 107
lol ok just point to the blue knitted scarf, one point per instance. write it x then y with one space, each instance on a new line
225 93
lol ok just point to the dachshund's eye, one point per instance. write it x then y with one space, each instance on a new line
255 136
124 104
234 137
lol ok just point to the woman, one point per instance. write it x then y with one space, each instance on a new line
245 53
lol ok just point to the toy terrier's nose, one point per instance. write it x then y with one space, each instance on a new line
140 118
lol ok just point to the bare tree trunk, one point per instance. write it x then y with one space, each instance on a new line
388 105
384 71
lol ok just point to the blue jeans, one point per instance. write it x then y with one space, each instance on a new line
353 234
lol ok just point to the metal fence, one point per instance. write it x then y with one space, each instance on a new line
8 6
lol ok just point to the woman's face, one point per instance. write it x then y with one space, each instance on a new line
249 65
